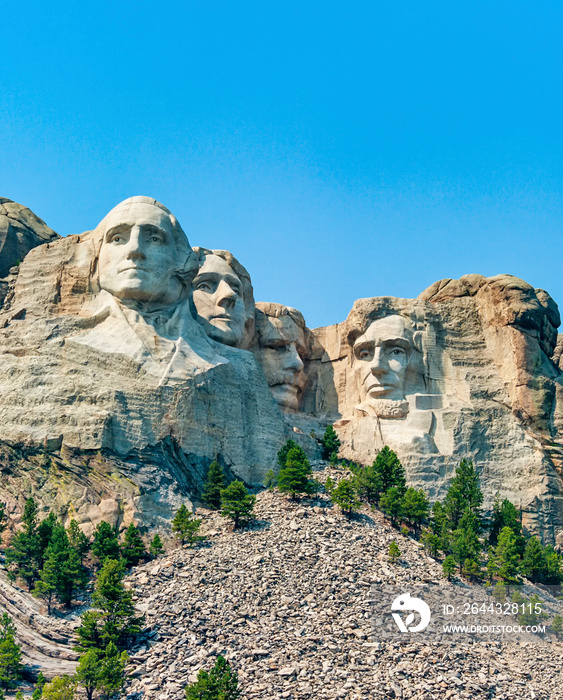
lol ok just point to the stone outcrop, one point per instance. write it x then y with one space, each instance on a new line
20 231
128 355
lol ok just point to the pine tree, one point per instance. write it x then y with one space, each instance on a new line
293 478
78 540
38 690
112 677
330 444
345 497
45 535
221 683
506 554
105 544
391 503
464 492
11 667
448 567
390 470
533 561
23 556
214 483
465 540
369 483
60 688
431 542
271 479
156 547
506 515
284 450
46 587
3 521
236 503
88 672
416 507
185 526
394 551
112 618
557 626
553 575
471 569
133 549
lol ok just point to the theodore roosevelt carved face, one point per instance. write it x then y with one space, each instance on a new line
281 350
380 360
141 250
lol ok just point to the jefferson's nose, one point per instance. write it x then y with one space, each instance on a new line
135 244
292 361
378 365
226 295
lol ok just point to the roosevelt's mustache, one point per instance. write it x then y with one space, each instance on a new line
297 379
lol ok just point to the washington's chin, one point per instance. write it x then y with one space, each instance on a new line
138 290
287 397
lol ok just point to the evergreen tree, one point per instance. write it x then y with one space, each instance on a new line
492 565
553 575
431 542
464 492
391 503
284 450
465 540
156 547
506 554
471 569
533 561
394 551
330 444
369 483
390 470
440 526
345 497
221 683
11 667
3 520
133 549
60 688
112 618
448 567
88 672
46 587
416 507
105 544
38 690
293 478
112 677
270 480
214 483
185 526
236 503
506 515
23 555
78 540
44 536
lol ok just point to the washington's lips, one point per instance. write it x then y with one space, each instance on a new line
133 267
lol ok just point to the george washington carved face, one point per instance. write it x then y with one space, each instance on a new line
139 254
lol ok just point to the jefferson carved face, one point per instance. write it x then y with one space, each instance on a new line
139 256
219 303
280 353
381 358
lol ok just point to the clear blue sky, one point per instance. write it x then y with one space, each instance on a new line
339 150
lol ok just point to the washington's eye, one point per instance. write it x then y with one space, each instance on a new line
117 238
203 286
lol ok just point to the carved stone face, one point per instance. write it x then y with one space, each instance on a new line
381 358
219 303
138 255
280 353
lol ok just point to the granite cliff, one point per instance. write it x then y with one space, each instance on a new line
129 360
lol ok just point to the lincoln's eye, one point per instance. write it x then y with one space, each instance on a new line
364 354
397 352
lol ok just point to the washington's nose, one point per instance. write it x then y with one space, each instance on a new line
135 245
292 360
378 364
226 295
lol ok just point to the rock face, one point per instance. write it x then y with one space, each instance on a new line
20 231
127 343
465 370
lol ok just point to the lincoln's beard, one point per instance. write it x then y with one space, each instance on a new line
386 408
